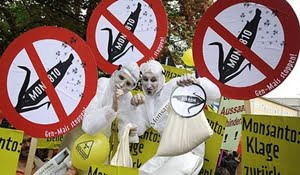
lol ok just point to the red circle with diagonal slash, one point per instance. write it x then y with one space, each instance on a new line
146 52
30 43
274 75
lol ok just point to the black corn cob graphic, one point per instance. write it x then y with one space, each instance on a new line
230 67
195 100
116 49
36 93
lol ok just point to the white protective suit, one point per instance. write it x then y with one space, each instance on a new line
189 163
99 114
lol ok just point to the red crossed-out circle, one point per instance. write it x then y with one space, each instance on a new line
273 75
102 11
26 44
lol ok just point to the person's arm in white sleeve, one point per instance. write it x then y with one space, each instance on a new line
133 114
212 91
97 116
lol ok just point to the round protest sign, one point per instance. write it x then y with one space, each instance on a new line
49 77
188 101
126 31
247 48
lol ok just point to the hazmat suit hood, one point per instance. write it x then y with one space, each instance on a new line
130 72
153 68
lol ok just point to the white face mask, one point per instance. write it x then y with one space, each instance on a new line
150 83
123 80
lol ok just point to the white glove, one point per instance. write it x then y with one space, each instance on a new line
186 80
137 100
133 130
133 136
116 99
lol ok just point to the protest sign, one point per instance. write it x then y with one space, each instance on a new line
270 145
10 148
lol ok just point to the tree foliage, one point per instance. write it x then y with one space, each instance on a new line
18 16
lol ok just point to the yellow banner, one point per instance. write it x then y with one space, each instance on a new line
271 145
233 110
144 150
111 170
49 143
213 145
10 148
173 72
140 152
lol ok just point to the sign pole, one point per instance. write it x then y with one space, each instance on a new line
247 106
31 156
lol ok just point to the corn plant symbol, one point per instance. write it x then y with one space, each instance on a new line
195 100
29 98
116 48
230 67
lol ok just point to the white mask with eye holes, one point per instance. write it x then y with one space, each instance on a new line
153 78
126 77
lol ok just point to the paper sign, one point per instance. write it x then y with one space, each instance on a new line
10 148
271 145
232 110
57 165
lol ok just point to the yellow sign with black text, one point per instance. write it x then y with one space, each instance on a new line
49 143
271 145
173 72
213 145
111 170
10 148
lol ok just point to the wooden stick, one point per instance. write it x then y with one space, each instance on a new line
247 106
31 156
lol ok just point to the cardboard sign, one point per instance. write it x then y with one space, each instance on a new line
247 48
49 78
270 145
233 110
126 31
10 148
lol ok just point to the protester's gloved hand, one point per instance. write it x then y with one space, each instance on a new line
71 170
137 100
133 130
186 80
133 134
116 99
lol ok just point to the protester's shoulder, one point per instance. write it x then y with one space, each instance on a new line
102 83
103 80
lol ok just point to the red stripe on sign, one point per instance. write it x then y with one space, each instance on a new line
130 36
43 76
254 59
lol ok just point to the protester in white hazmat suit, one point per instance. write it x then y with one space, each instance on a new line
157 95
111 99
